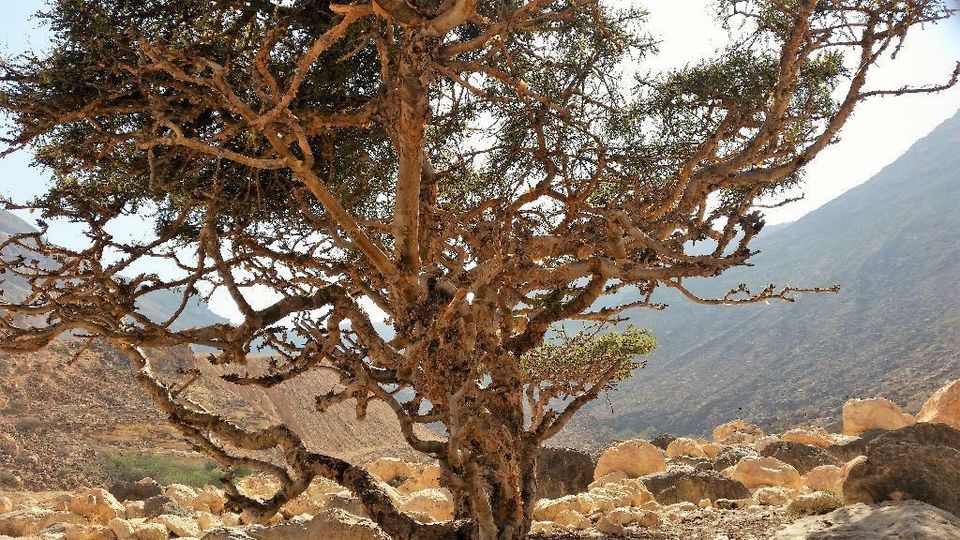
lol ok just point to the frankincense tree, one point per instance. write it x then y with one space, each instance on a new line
477 171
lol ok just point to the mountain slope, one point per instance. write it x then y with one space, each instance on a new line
893 330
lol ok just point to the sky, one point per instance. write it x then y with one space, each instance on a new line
878 133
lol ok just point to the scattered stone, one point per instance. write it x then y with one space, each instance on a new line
712 450
684 484
825 478
96 504
181 494
82 531
803 457
162 505
544 527
772 496
943 407
573 519
685 447
818 502
635 458
24 522
210 499
563 471
921 462
179 525
610 478
756 472
435 503
136 491
732 455
549 510
736 432
606 526
814 436
900 520
862 415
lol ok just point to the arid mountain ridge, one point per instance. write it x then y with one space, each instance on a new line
893 330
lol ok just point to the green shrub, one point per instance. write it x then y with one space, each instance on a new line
164 468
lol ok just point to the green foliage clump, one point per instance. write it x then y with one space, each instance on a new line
166 469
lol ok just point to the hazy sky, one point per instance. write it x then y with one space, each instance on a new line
880 131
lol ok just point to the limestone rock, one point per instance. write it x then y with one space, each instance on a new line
606 526
24 522
685 447
756 472
921 462
181 494
133 509
712 450
731 455
178 525
563 471
818 502
136 491
685 484
82 531
573 519
160 505
825 478
736 432
151 531
635 458
393 471
610 478
777 496
96 504
814 436
862 415
803 457
435 503
6 505
549 509
943 407
898 520
662 441
210 499
544 527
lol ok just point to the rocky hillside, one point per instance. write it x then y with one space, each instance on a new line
893 330
72 420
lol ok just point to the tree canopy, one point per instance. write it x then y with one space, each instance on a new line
476 171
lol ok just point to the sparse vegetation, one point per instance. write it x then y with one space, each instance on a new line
164 468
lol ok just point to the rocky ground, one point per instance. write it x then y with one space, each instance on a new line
888 475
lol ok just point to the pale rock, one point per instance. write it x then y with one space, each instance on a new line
549 509
705 503
151 531
544 527
943 407
818 502
712 450
6 505
336 524
436 503
685 447
893 520
757 472
424 477
862 415
736 432
23 522
393 471
58 516
825 478
635 458
207 521
606 526
772 496
762 442
209 499
178 525
610 478
123 529
230 519
848 466
258 486
647 518
621 516
181 494
814 436
96 504
133 509
82 531
573 520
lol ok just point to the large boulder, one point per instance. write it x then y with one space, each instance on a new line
736 432
825 478
437 504
920 462
943 407
681 484
685 447
815 436
140 490
862 415
635 458
96 504
898 520
563 471
731 455
549 510
803 457
756 472
24 522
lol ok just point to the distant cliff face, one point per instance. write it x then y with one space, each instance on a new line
894 329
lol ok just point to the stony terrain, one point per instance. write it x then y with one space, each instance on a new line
889 474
